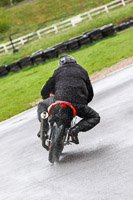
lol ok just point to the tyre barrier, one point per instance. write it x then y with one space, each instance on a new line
26 61
122 26
61 48
72 44
38 57
13 67
131 22
107 30
94 34
3 71
50 53
84 40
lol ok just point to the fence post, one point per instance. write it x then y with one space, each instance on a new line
39 35
106 9
56 29
72 22
5 48
89 15
123 2
22 41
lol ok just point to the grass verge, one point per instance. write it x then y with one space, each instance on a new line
21 88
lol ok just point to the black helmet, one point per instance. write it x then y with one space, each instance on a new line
66 59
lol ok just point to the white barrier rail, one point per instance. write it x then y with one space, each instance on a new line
62 26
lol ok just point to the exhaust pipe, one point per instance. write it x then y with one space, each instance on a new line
44 125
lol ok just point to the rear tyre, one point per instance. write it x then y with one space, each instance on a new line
56 145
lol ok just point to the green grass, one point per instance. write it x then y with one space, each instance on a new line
115 17
4 24
28 18
21 88
31 15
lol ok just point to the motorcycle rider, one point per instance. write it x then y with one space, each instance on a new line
70 83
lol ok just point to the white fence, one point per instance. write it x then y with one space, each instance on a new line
64 25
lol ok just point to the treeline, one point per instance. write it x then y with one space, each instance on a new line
9 2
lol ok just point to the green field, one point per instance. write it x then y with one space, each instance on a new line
114 17
27 17
21 88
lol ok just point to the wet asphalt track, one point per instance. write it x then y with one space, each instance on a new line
99 168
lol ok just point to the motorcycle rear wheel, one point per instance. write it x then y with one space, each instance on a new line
57 144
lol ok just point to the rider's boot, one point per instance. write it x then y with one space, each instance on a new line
73 132
44 127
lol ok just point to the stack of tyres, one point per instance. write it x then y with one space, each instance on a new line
122 26
25 61
72 44
117 28
13 67
126 25
51 52
81 40
3 71
131 22
84 40
61 48
94 34
107 30
38 57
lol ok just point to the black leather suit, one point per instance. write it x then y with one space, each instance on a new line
71 83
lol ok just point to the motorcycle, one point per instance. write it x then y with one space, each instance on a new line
61 117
